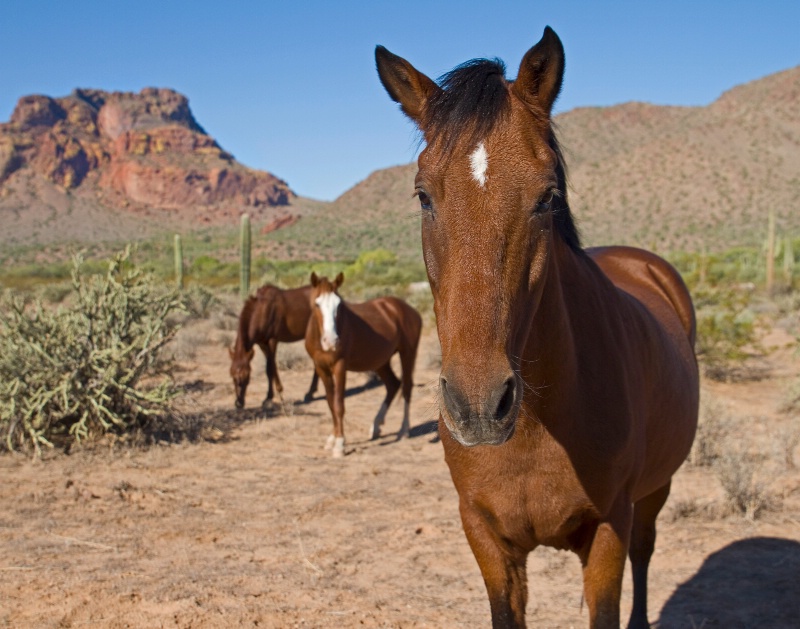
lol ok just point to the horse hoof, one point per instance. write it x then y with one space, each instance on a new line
338 453
329 442
308 398
403 434
374 434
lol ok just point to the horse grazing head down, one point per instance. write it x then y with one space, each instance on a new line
240 372
325 307
491 186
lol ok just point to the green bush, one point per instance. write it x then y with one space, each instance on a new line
72 374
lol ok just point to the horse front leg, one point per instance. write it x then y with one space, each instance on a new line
503 568
643 541
272 371
603 560
327 381
339 381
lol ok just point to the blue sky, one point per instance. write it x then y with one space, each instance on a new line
291 87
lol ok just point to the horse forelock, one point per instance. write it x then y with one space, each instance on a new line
473 99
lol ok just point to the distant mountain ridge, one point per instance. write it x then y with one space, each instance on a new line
110 165
662 177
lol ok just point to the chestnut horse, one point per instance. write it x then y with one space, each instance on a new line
344 337
569 385
273 315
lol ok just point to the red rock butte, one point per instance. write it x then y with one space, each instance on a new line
140 151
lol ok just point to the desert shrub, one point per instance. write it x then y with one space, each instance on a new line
744 494
726 331
74 373
712 430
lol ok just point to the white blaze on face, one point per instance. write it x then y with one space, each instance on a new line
479 163
328 304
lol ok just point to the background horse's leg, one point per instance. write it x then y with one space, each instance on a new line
408 356
643 541
503 568
312 389
272 371
392 384
339 382
603 560
327 382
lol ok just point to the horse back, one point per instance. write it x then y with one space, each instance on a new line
282 314
651 280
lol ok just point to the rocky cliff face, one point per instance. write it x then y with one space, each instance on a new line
142 151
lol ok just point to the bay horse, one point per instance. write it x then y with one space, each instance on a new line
343 336
569 385
272 316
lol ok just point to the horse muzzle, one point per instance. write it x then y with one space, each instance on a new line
485 417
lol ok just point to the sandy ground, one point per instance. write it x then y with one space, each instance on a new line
257 526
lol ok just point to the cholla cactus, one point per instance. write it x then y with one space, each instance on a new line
75 373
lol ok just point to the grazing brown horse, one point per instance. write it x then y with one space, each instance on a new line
344 337
273 315
569 385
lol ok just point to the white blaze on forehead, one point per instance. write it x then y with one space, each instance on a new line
328 304
479 162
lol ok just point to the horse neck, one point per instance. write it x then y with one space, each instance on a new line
550 352
244 340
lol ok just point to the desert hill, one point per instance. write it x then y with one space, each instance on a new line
657 176
101 164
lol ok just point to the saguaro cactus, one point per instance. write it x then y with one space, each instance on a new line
788 262
771 252
244 249
178 262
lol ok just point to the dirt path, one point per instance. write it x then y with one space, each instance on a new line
264 529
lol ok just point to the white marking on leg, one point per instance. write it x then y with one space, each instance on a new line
329 442
378 422
479 163
328 304
405 429
338 448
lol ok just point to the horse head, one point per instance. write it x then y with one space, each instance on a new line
492 191
325 302
240 372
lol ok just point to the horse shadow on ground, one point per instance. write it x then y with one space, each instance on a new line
750 583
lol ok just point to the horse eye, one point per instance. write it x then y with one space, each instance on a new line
424 200
545 202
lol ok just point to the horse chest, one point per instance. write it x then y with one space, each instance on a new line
538 500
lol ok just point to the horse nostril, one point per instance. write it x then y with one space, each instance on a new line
506 402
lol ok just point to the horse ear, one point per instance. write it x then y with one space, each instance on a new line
542 71
405 84
314 279
338 281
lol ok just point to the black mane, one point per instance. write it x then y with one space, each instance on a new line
473 99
